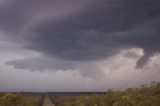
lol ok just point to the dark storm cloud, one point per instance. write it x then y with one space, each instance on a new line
37 64
102 30
45 63
15 14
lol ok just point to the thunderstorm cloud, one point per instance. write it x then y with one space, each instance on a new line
80 35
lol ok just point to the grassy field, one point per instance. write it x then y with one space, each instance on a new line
143 96
146 95
20 99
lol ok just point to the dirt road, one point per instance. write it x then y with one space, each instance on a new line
47 101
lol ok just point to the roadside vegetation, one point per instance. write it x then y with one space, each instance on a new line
16 99
146 95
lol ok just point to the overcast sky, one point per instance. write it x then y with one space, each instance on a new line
78 45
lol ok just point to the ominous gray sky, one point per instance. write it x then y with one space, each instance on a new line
78 45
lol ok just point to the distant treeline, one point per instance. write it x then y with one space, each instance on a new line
75 93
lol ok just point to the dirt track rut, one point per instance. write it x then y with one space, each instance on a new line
47 101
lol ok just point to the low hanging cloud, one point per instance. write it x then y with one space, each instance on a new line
86 69
92 69
118 72
83 31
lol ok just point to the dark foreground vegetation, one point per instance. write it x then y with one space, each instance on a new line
17 99
146 95
143 96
